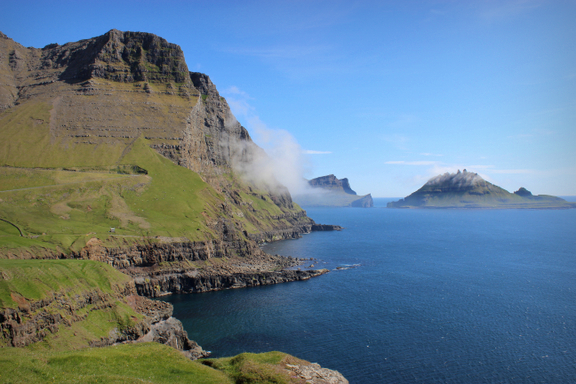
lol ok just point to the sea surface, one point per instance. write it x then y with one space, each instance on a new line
423 296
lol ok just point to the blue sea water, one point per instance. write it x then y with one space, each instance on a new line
431 296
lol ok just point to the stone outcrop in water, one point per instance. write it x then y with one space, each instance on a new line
329 191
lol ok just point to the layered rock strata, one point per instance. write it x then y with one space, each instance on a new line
33 321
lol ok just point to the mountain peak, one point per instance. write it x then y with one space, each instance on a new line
460 180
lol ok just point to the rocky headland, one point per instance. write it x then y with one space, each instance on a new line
329 191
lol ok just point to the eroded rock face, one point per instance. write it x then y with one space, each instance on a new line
33 321
315 374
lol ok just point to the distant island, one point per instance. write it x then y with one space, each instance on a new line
469 190
329 191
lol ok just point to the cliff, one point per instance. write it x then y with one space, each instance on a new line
329 191
74 304
114 153
118 105
469 190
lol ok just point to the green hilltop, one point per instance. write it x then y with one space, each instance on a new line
469 190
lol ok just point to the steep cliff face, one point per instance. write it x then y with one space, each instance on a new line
105 94
331 182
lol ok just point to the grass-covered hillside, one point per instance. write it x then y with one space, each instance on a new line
61 194
143 363
57 289
62 304
469 190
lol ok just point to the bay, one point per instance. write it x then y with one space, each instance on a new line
421 296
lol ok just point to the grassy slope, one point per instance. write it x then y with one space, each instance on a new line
62 207
35 279
129 363
140 363
25 281
59 210
63 357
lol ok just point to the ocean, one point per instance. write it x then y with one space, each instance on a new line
420 296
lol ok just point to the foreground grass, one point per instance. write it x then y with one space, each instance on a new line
128 363
141 363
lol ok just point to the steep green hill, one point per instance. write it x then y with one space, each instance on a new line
469 190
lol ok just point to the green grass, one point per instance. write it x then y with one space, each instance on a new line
263 368
140 363
35 279
128 363
58 210
169 201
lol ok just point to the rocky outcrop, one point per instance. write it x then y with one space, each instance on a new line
164 328
364 202
33 321
315 374
171 332
523 192
197 281
325 227
331 182
329 191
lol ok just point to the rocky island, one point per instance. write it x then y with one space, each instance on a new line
469 190
122 178
329 191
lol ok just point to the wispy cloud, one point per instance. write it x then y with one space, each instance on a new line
286 160
431 154
312 152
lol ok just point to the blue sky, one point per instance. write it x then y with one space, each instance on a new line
386 93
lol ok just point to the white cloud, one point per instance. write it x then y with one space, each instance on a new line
286 161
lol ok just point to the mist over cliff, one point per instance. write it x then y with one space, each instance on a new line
459 180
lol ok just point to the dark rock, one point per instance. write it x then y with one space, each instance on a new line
331 182
523 192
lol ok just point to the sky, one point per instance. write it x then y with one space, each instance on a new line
385 93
